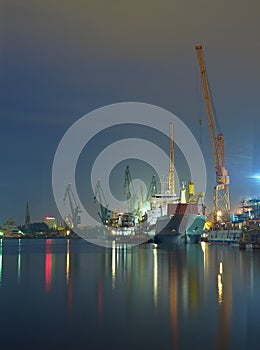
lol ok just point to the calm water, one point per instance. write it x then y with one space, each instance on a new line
68 294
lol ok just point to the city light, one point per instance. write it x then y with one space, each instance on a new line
255 177
219 215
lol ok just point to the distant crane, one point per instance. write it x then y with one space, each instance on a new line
130 192
221 211
153 189
74 207
104 213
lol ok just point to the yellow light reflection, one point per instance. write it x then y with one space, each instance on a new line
68 262
174 305
220 284
113 264
221 268
205 250
155 277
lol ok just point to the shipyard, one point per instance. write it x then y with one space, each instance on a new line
130 175
160 217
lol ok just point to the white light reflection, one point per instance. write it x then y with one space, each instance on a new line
220 284
113 264
203 247
68 262
155 277
19 261
205 250
221 268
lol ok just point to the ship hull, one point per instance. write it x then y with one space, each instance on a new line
179 229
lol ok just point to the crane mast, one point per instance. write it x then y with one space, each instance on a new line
152 189
130 192
74 207
221 211
104 213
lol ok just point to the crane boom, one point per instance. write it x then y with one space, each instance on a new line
74 207
104 213
152 188
221 190
209 108
130 192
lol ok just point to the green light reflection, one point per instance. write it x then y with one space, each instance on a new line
19 261
1 262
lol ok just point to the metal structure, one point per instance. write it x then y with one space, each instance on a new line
171 170
221 211
130 192
153 189
74 207
27 218
104 213
251 208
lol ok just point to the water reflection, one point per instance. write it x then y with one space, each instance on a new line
68 277
174 304
19 261
155 278
1 262
48 265
68 262
113 264
220 284
188 297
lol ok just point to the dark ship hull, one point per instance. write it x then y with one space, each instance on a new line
179 229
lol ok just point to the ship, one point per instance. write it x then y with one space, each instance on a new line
176 219
164 218
173 220
170 220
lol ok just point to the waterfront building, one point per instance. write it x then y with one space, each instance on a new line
51 222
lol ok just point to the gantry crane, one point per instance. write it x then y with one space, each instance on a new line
221 211
74 207
104 213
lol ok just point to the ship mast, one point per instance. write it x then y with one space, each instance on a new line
171 171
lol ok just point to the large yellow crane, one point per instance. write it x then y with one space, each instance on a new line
221 211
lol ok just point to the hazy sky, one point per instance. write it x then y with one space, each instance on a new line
61 59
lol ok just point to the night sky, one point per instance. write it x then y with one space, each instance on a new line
62 59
